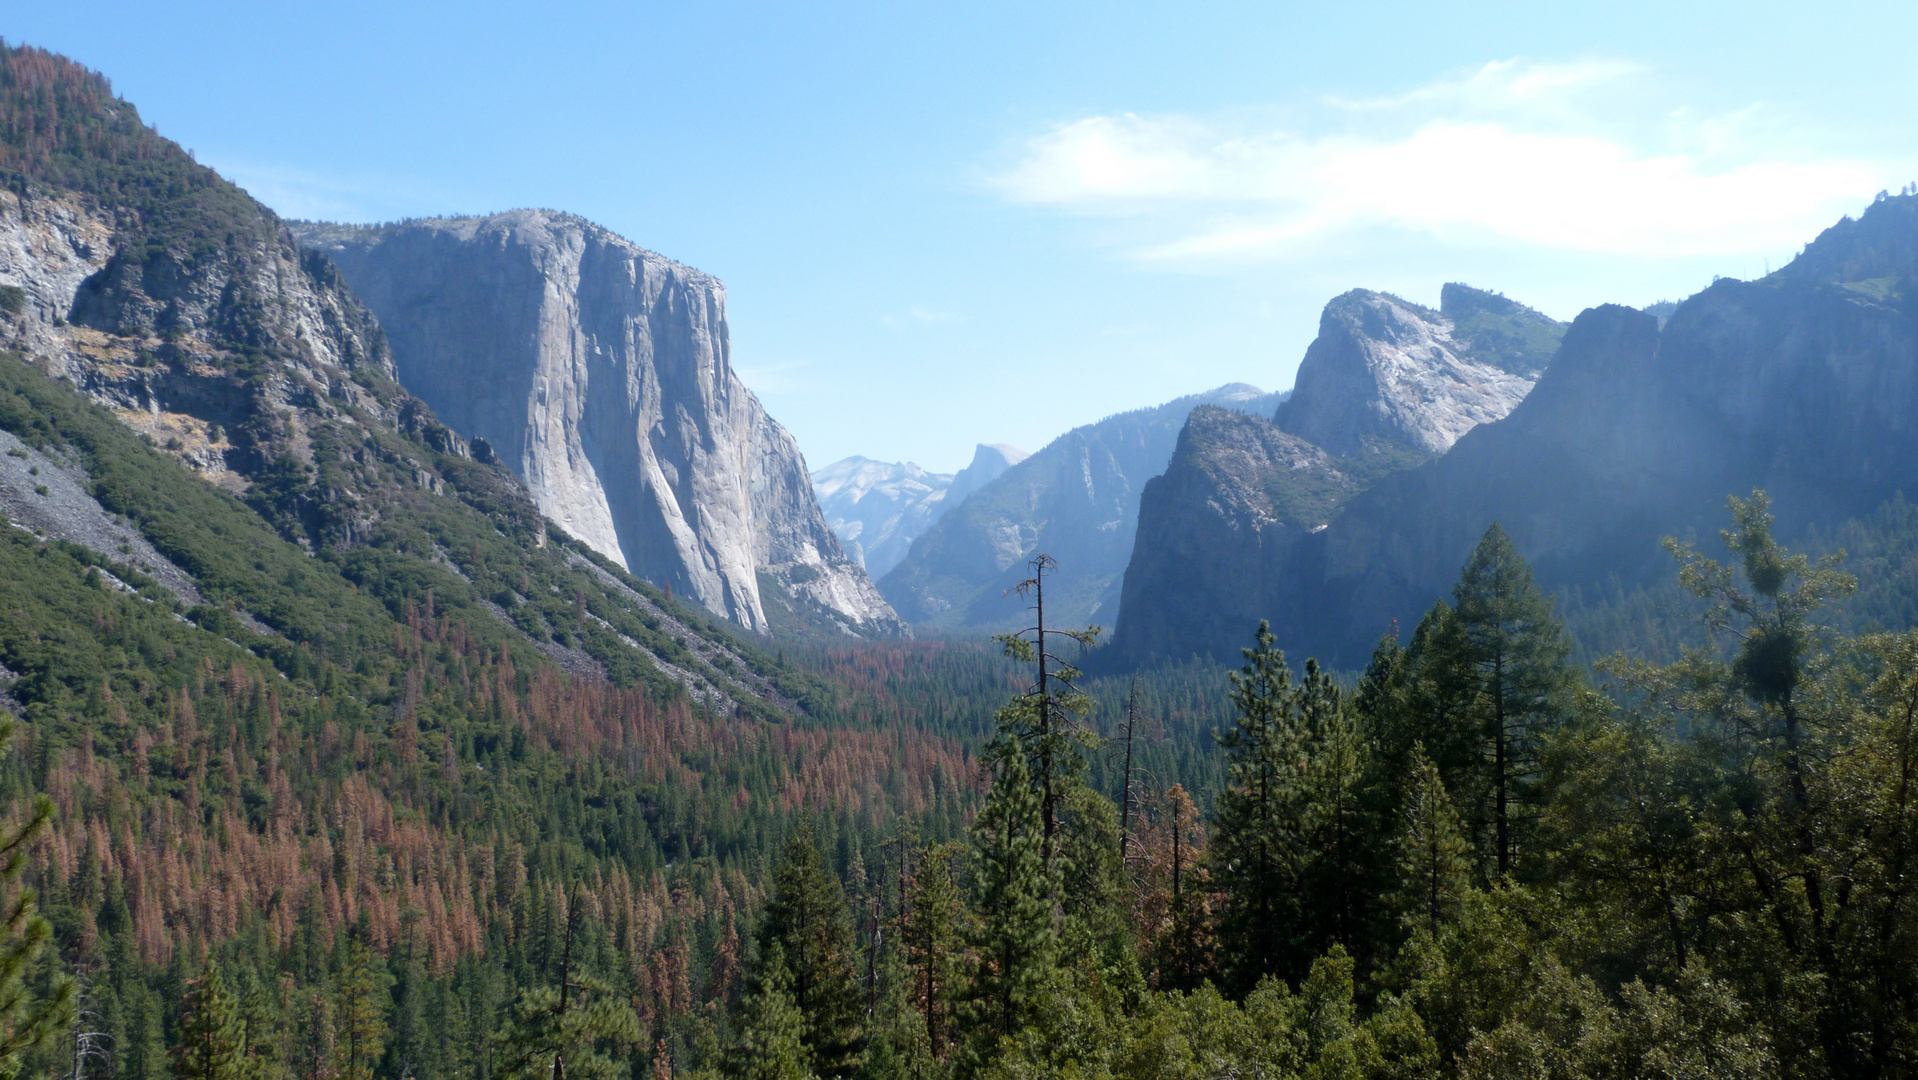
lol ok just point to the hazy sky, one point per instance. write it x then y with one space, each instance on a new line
948 224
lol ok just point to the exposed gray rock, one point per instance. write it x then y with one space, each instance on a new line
1383 370
1386 385
1076 500
1804 383
877 508
1237 496
50 497
152 333
602 374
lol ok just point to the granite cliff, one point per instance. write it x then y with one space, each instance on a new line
601 374
1386 386
1804 383
1386 370
197 402
1076 499
877 508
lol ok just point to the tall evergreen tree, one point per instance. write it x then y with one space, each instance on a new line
1337 861
212 1042
934 942
771 1041
578 1028
808 921
1255 836
1502 663
1018 938
1046 718
27 1020
359 1009
1433 859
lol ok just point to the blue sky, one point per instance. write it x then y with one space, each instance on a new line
949 224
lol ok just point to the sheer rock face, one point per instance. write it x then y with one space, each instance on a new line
1386 386
601 373
1386 370
1237 496
1804 384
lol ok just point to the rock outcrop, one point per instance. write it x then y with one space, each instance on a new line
1804 383
1386 386
1076 500
1383 370
166 293
602 374
1238 495
877 508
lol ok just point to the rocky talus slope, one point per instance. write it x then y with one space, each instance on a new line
1803 383
1077 499
601 373
878 508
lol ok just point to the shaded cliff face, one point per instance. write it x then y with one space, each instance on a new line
1383 370
601 373
1077 499
1384 387
878 508
1804 383
1237 496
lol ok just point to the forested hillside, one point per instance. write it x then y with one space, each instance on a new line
325 757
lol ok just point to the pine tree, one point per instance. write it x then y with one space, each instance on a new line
212 1042
933 942
315 1039
577 1029
572 1032
27 1021
1434 864
1506 652
360 1000
808 921
771 1041
1018 938
1046 719
1254 843
1335 878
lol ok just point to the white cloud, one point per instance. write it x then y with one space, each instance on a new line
1512 152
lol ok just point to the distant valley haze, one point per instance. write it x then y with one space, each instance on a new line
941 229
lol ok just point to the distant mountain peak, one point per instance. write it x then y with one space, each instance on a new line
878 508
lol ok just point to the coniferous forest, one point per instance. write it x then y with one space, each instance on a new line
418 787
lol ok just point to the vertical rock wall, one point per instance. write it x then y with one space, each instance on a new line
602 374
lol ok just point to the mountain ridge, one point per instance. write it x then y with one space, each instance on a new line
1798 383
1076 498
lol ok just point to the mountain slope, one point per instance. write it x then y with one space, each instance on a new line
878 508
1076 499
1804 383
169 297
602 375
